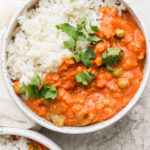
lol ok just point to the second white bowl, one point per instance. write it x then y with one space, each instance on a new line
30 135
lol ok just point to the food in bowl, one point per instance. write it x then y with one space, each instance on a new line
76 63
9 142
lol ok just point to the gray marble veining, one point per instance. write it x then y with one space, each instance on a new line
131 133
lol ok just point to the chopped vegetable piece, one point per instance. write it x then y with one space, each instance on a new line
84 77
58 120
117 71
123 83
111 57
120 33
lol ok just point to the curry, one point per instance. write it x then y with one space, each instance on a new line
109 89
36 146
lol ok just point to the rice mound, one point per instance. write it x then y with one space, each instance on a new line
8 143
37 45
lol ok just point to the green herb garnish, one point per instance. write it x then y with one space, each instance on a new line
84 57
81 24
36 81
111 57
80 33
84 77
94 39
48 92
68 29
74 33
70 44
32 90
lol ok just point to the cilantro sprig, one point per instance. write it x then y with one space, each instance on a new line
84 77
81 33
84 57
111 57
33 91
74 33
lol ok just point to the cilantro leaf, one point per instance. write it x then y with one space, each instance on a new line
68 29
43 90
90 53
48 92
36 81
109 67
80 36
84 57
30 93
90 31
94 39
77 55
82 24
84 77
86 60
71 44
94 28
51 93
72 32
23 89
111 57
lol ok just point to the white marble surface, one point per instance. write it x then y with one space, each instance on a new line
131 133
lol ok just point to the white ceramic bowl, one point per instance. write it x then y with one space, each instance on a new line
75 130
30 135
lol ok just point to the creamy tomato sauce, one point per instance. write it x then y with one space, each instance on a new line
36 146
80 105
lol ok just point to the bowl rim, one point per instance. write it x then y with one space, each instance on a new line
30 135
75 130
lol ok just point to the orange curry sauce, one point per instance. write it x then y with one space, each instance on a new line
36 146
102 98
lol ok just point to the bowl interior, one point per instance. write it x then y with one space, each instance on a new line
73 130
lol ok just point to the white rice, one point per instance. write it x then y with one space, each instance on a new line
8 143
38 44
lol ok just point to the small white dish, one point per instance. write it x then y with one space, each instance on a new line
30 135
75 130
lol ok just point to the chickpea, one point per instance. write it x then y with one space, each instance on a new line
117 72
123 83
120 33
58 120
141 56
98 61
16 89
